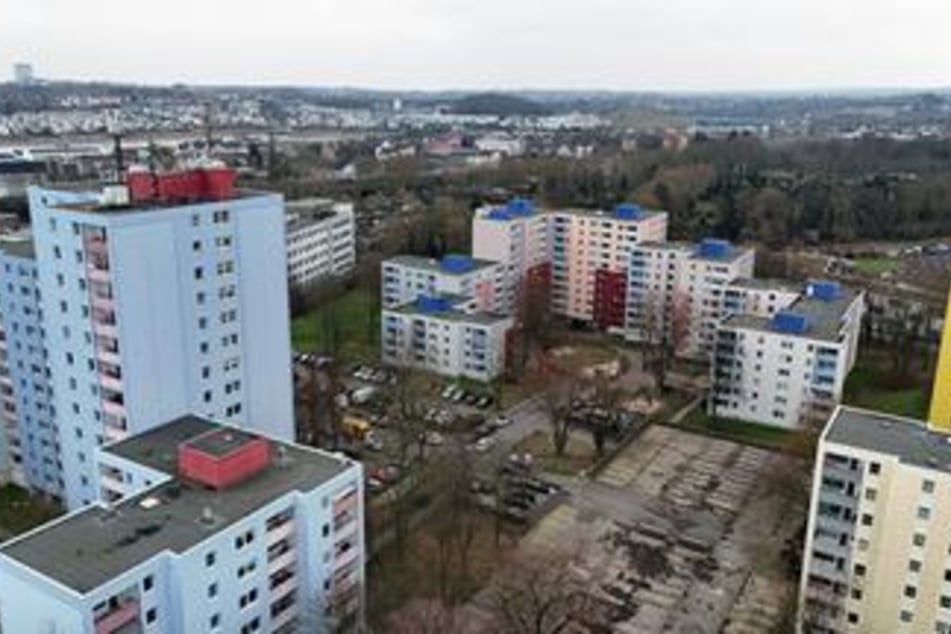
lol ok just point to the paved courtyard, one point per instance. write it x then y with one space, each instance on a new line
681 533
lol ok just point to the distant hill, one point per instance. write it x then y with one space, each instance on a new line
498 104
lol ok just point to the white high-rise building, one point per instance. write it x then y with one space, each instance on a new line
169 302
790 368
30 434
677 292
520 240
321 240
210 528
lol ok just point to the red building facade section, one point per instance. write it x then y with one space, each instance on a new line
208 183
610 298
222 458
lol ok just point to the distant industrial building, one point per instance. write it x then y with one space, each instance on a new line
789 368
321 241
17 174
676 292
23 73
876 557
207 528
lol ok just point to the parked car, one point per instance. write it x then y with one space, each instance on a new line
484 401
501 421
483 444
471 398
448 391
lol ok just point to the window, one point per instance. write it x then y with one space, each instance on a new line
147 583
199 273
905 616
866 519
853 617
927 486
215 620
874 468
924 513
210 559
151 615
856 594
212 588
914 565
918 540
859 570
196 245
911 592
945 602
871 494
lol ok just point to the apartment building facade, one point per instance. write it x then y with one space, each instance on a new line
165 298
321 240
219 530
590 255
440 334
30 440
939 412
518 237
678 292
877 556
790 368
407 277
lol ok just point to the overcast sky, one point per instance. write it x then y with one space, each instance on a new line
616 44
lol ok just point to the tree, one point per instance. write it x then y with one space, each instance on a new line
539 596
560 396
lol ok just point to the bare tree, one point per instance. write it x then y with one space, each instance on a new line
424 616
538 596
560 396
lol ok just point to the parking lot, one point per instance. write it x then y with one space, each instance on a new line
678 534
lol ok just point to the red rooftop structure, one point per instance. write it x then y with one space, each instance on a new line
205 183
223 457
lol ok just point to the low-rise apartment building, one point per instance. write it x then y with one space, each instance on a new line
321 240
677 293
407 277
212 529
877 556
30 440
441 334
790 368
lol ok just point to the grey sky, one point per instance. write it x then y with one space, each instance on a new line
619 44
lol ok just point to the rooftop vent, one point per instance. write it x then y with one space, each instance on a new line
714 249
207 516
628 211
149 503
826 290
787 321
456 263
223 457
429 304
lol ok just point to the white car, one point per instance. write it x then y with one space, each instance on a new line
483 444
501 421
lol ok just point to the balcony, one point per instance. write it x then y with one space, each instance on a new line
110 382
107 356
103 303
113 434
346 557
113 408
111 482
112 621
96 274
284 587
345 529
284 617
105 330
280 533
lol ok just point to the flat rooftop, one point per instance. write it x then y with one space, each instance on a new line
605 214
87 548
452 313
96 206
907 439
438 266
766 284
311 211
824 316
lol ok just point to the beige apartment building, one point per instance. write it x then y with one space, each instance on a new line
877 556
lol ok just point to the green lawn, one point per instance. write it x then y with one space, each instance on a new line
740 431
20 511
868 387
875 266
350 323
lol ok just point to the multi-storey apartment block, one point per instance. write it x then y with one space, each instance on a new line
582 254
321 240
939 413
406 277
590 255
166 298
216 529
877 547
790 368
517 237
441 334
676 293
31 444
